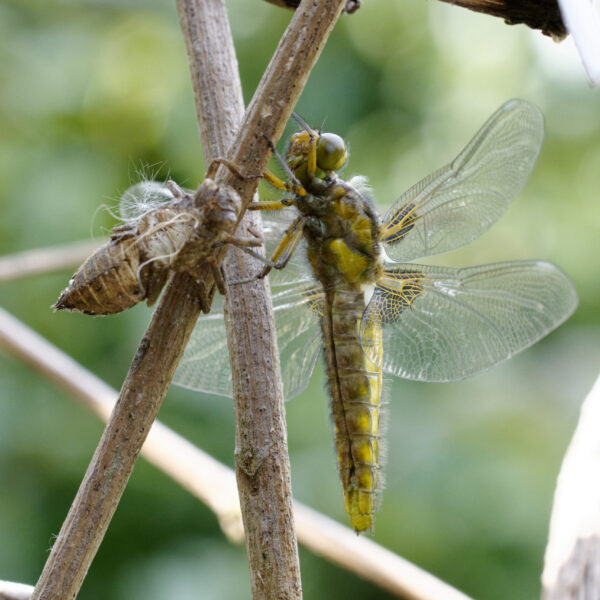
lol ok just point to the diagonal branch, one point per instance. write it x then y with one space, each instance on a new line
257 388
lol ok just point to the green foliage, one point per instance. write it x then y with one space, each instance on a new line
93 93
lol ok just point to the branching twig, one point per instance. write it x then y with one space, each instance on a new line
250 335
214 484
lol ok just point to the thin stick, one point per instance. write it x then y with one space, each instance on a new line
271 539
214 483
262 463
44 260
162 346
113 461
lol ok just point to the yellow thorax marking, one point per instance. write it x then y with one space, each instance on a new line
350 263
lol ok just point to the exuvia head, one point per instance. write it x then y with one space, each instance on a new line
332 153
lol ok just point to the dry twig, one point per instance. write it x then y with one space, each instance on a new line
214 483
257 389
263 473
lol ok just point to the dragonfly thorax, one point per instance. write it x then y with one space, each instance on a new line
342 232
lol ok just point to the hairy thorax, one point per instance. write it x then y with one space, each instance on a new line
342 233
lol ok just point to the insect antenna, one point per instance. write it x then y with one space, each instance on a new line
302 122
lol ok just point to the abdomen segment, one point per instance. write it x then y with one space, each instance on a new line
355 386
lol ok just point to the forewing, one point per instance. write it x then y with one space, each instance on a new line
205 364
443 324
455 205
298 310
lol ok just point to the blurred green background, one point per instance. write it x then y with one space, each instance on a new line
93 94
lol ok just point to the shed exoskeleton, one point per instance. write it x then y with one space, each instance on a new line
178 233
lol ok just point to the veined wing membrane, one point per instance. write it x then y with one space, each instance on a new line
298 312
443 324
456 204
205 363
204 366
274 225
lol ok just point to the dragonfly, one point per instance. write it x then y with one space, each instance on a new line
354 293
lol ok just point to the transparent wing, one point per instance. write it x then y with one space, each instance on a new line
274 224
298 309
205 364
455 205
442 324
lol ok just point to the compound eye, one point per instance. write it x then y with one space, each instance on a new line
331 152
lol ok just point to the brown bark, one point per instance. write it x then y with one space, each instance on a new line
262 473
537 14
262 466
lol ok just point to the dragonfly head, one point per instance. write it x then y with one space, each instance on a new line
330 150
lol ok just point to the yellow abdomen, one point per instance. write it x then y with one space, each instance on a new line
355 386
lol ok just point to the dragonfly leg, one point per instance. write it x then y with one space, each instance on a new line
281 255
219 278
269 205
293 185
242 242
154 285
203 297
253 232
239 242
